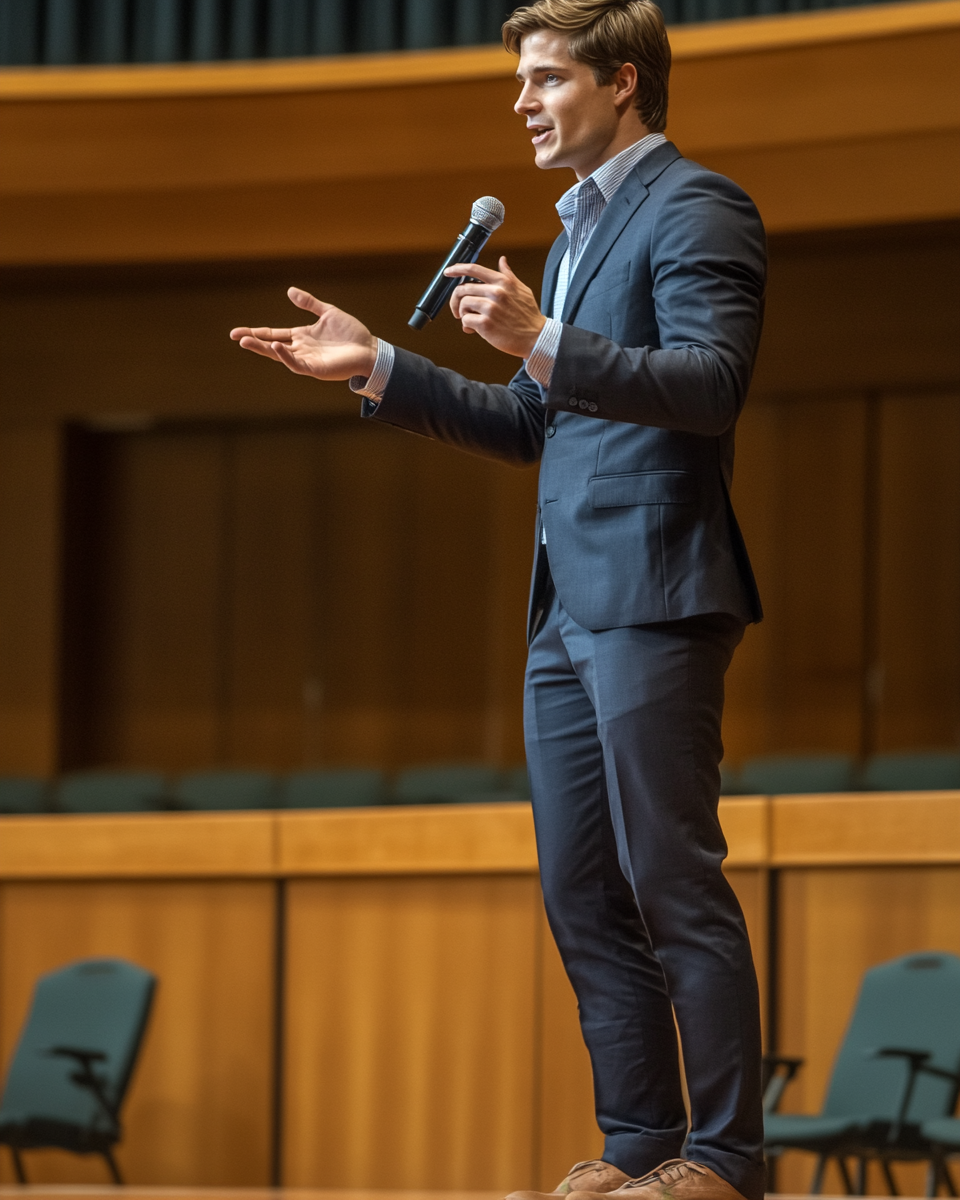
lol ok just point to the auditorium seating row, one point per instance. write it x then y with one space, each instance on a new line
150 791
784 775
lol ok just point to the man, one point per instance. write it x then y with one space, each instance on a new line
634 374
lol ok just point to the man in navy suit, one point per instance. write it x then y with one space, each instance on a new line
636 366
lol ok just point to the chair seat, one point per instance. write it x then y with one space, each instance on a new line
945 1131
800 1132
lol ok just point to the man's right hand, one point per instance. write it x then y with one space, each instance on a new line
335 346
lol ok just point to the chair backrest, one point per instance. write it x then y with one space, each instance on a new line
446 784
358 787
783 775
919 771
729 780
99 1004
110 791
19 794
516 781
226 790
910 1003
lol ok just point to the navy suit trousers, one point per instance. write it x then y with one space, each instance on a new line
622 732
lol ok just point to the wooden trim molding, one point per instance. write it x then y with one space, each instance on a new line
905 828
779 831
414 840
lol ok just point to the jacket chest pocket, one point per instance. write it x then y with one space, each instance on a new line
643 487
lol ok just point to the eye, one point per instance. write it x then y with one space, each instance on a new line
551 79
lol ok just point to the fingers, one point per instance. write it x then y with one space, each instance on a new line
248 342
505 268
484 274
283 354
303 299
263 333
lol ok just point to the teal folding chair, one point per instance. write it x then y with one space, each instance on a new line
110 792
785 775
225 790
943 1135
918 771
898 1066
20 794
359 787
451 784
72 1065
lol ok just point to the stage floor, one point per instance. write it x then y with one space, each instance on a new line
50 1192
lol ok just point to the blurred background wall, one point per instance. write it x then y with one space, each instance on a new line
209 561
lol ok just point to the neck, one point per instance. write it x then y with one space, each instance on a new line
630 129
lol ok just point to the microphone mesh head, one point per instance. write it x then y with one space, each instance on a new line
488 212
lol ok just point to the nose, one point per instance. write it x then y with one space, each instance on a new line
526 104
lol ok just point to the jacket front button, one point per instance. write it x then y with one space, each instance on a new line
551 430
592 407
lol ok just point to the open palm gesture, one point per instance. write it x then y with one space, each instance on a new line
335 346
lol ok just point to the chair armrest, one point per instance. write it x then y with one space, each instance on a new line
778 1071
84 1076
918 1063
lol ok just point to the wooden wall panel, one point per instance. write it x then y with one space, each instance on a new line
145 589
198 1111
796 683
917 686
410 1033
835 923
30 564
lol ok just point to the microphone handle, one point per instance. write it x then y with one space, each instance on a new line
466 248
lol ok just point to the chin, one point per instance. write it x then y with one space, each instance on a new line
544 159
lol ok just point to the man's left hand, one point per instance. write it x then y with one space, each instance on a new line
501 308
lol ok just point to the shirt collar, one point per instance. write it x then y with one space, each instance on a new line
609 175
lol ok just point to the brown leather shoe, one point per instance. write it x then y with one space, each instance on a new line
675 1179
595 1176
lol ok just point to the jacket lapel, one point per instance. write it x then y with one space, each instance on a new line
627 199
550 273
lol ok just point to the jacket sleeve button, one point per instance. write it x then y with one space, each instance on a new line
583 404
573 402
592 407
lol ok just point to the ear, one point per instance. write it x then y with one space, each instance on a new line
625 83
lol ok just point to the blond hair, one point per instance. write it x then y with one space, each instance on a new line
605 34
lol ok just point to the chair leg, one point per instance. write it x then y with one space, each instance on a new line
771 1164
948 1178
888 1176
845 1175
816 1183
933 1176
112 1164
861 1176
18 1165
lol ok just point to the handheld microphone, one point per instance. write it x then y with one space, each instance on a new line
485 216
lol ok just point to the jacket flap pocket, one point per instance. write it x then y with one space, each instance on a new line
646 487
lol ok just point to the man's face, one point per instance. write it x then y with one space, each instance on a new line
572 119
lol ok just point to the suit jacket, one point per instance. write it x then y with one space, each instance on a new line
636 432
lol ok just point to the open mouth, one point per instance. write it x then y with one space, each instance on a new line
540 133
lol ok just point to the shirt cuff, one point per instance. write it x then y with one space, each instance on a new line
544 353
374 385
